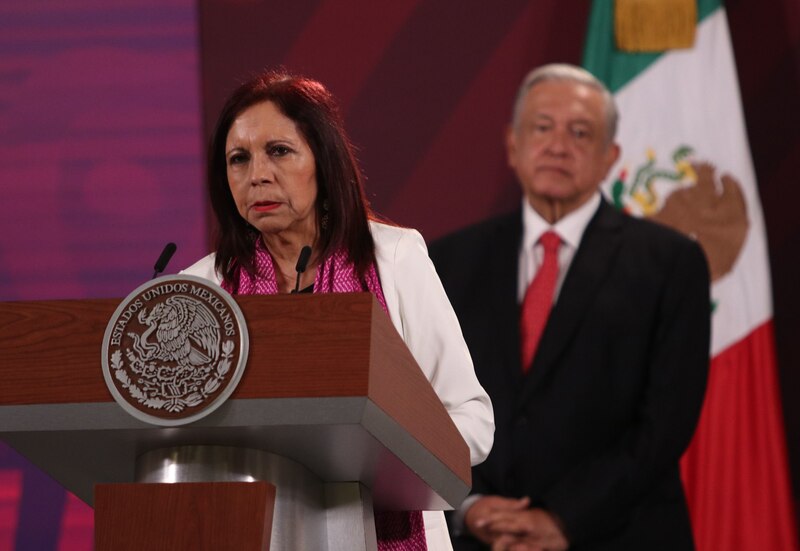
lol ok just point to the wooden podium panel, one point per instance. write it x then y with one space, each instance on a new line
189 516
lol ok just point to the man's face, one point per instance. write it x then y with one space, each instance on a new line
559 147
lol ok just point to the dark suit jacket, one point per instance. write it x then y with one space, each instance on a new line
594 431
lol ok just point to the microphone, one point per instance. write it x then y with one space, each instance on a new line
302 262
162 261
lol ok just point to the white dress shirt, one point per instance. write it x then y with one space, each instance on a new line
531 253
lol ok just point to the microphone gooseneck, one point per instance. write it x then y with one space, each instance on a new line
302 263
162 261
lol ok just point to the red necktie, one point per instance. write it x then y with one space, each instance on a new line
539 299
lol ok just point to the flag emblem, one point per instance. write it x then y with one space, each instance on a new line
692 198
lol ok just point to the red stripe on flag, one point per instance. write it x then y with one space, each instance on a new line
735 471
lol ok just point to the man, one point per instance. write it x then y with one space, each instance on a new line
597 398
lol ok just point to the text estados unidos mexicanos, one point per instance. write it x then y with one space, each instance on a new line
172 288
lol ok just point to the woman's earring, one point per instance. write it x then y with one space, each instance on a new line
325 218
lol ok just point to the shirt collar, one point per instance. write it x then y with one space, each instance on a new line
570 228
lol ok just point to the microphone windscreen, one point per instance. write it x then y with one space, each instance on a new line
302 260
166 254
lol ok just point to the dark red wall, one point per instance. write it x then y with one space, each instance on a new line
425 86
766 42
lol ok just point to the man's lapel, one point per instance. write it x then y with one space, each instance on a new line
503 338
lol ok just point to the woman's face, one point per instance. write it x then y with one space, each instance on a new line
271 173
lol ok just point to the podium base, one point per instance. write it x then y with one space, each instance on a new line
309 514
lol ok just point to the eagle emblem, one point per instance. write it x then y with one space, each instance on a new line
185 330
690 197
170 348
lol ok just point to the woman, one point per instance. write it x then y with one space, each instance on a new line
282 175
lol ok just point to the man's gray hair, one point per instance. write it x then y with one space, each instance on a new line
570 73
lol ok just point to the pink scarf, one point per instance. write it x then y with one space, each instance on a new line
396 530
336 275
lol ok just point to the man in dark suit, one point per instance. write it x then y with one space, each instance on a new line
597 398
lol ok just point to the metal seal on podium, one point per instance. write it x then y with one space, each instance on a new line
174 350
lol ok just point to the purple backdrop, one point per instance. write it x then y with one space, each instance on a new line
100 166
100 149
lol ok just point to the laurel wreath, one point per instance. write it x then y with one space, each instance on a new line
145 390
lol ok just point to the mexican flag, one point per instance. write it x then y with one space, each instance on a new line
686 162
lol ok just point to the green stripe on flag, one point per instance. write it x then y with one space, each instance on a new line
601 56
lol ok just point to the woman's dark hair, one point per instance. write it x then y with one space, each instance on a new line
339 180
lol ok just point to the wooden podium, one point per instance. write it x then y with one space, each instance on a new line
332 411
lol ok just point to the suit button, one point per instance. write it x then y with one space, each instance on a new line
521 421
